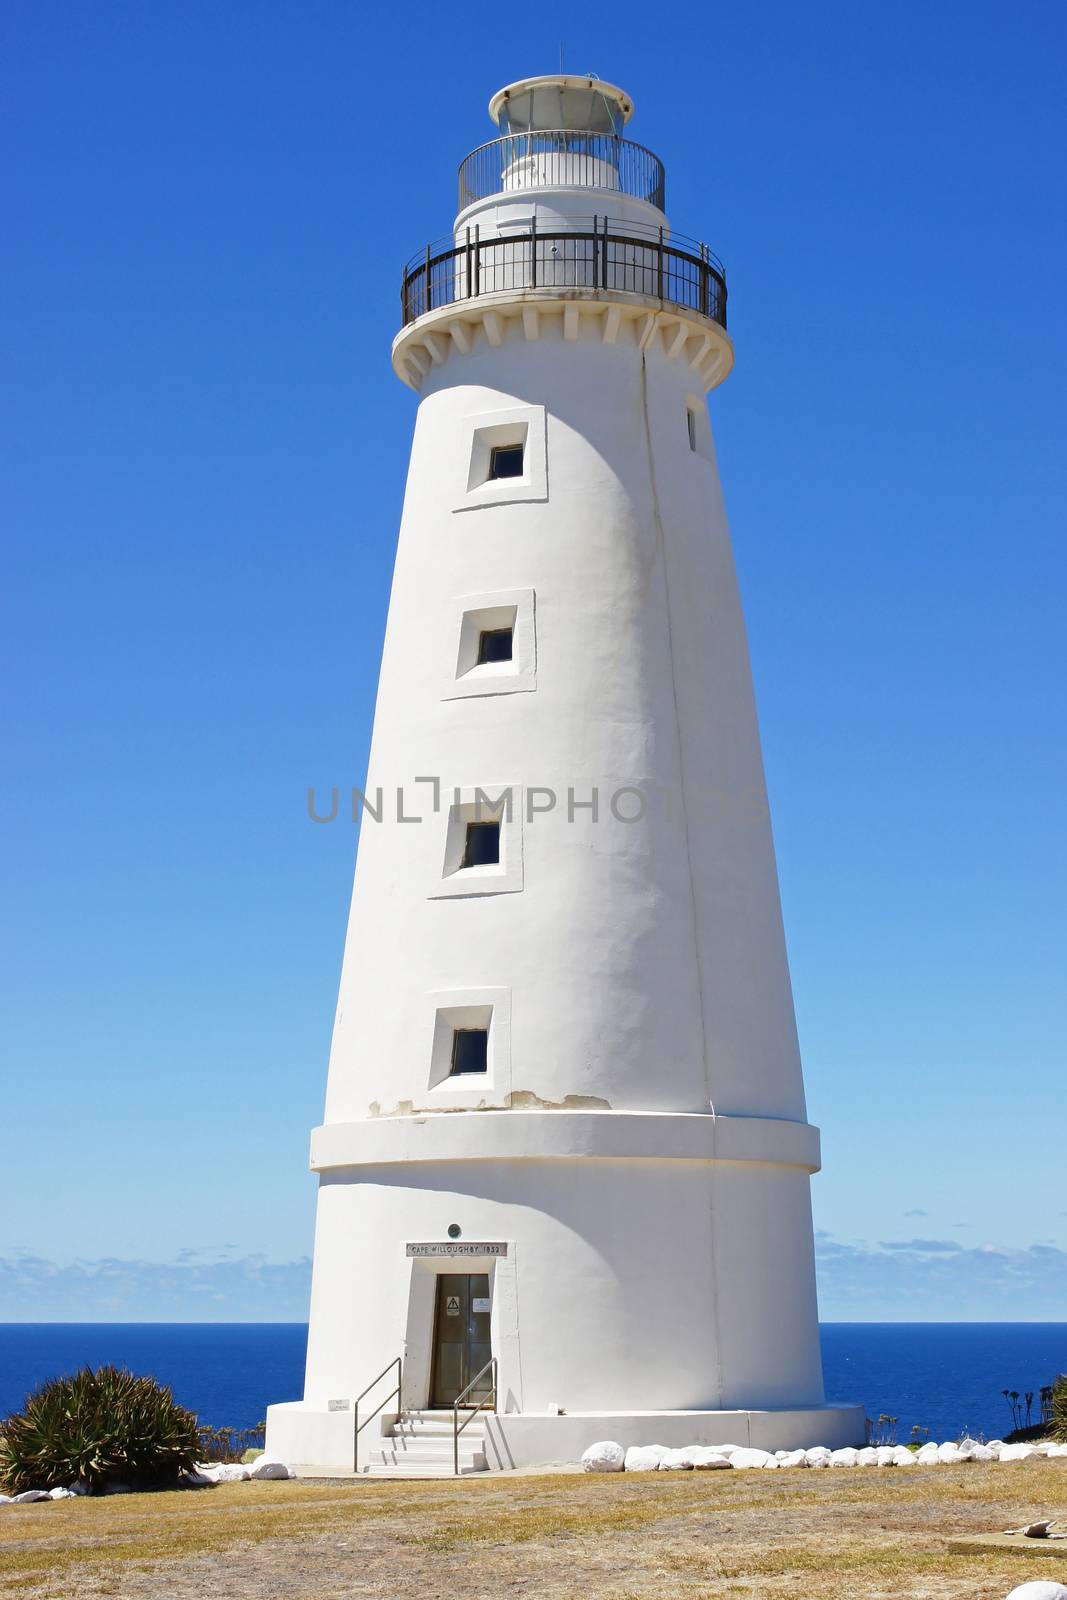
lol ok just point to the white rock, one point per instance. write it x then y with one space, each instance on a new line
886 1455
817 1456
845 1457
793 1458
6 1500
1016 1452
604 1456
968 1443
644 1457
904 1458
268 1467
927 1456
982 1452
996 1444
676 1461
867 1457
223 1471
772 1465
727 1449
30 1497
742 1460
1058 1450
948 1453
707 1458
1039 1589
60 1494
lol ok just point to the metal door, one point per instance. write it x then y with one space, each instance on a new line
461 1346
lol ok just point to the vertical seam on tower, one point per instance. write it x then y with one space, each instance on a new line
658 523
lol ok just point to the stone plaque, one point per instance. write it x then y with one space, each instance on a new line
460 1247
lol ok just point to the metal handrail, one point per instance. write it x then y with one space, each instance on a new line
561 157
357 1426
474 1410
589 222
607 256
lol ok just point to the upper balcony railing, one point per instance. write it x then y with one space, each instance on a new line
594 253
551 160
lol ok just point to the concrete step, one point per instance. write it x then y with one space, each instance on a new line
408 1428
421 1444
427 1444
439 1418
420 1455
416 1470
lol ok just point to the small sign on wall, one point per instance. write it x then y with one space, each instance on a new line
338 1405
481 1306
453 1247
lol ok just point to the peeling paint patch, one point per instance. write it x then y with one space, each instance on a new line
518 1100
525 1099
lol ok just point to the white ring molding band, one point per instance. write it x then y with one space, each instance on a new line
563 1136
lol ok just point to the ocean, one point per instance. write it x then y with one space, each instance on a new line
947 1377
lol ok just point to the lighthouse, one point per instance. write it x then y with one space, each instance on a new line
565 1160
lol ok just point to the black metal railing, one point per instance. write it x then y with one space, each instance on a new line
553 160
596 253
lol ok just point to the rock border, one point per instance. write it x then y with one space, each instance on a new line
608 1456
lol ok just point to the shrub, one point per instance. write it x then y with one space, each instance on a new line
1059 1408
97 1428
230 1444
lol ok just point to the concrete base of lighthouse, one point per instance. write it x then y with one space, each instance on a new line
315 1442
648 1278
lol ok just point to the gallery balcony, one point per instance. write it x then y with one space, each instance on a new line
597 253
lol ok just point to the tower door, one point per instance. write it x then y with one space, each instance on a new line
461 1346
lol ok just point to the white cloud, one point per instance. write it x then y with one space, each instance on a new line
199 1286
916 1280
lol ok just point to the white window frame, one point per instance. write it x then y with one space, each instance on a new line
473 614
470 1008
697 409
525 425
486 802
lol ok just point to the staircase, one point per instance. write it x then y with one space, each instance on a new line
419 1444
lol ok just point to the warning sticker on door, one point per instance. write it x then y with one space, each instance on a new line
452 1305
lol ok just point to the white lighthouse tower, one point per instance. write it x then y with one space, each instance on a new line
564 1167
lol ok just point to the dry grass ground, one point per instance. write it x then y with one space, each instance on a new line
673 1536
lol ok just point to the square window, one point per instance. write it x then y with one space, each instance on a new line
488 644
501 458
470 1056
470 1051
482 843
482 848
494 644
505 461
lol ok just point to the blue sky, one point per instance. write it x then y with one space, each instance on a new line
203 453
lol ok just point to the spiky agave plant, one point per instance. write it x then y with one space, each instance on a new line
97 1428
1059 1408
